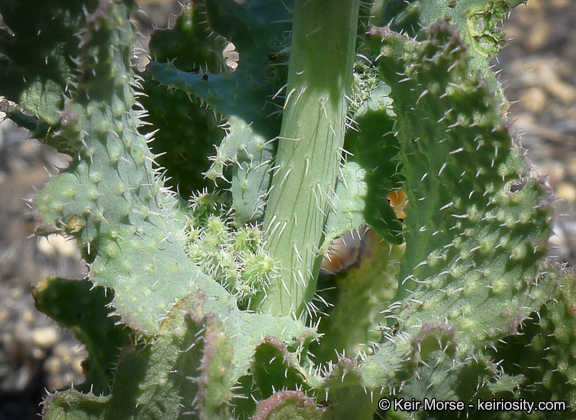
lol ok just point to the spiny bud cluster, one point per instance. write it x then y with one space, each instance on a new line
233 257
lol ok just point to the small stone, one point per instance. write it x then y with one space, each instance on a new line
53 365
28 317
538 36
566 191
571 164
533 99
4 315
45 337
38 354
54 245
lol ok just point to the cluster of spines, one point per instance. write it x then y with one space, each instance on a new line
233 257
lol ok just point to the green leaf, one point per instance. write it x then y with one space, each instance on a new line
476 224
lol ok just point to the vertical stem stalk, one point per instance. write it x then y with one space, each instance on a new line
310 144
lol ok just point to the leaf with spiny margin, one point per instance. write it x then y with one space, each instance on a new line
545 350
186 130
344 391
78 305
432 365
275 368
475 231
388 366
347 212
250 156
290 405
191 355
374 148
477 22
435 379
152 381
443 380
38 58
214 389
246 332
126 225
257 29
372 169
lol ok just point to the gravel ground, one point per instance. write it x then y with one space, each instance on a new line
537 70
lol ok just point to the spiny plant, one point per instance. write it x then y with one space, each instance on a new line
204 199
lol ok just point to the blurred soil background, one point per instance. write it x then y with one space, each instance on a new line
538 69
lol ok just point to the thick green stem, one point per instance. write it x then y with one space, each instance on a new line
309 151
